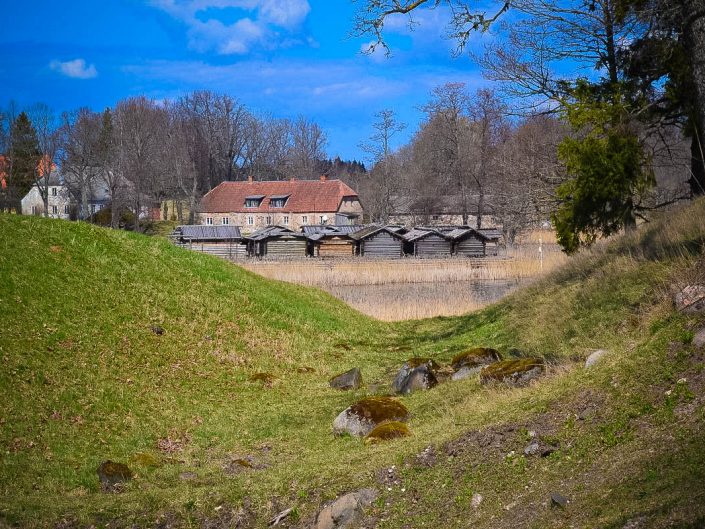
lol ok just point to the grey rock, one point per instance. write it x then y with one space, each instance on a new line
691 299
476 500
532 449
407 369
418 378
345 511
188 476
595 357
113 475
465 372
699 338
558 500
351 379
156 329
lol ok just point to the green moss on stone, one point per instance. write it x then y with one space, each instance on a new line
147 460
380 409
506 369
419 361
386 431
475 357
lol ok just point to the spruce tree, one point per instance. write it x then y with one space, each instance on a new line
24 157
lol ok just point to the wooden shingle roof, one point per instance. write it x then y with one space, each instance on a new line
197 232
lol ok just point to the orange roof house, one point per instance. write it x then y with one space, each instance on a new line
290 203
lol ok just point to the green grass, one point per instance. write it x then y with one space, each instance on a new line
84 379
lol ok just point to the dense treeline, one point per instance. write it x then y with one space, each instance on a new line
143 151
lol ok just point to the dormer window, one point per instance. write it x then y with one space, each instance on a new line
278 201
253 201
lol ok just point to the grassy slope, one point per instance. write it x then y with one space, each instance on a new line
84 379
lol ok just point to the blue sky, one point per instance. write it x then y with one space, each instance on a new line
280 57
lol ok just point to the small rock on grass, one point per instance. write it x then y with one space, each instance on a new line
691 299
465 372
699 338
351 379
595 357
346 511
558 500
113 475
476 500
156 329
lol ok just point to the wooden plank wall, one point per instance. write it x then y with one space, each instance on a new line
284 248
336 248
382 244
472 246
433 246
225 249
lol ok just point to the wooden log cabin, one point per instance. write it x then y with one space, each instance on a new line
468 242
428 243
277 242
493 236
379 242
221 241
330 241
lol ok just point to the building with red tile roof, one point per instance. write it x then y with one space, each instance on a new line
291 203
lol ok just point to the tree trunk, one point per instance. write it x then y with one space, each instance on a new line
84 201
694 41
480 207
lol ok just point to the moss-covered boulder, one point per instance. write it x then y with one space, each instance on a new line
362 417
425 375
517 372
387 431
113 475
479 356
351 379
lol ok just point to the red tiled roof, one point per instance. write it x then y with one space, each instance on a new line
305 196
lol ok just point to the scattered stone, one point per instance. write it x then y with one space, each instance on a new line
361 418
305 369
532 449
113 475
558 500
387 431
691 299
699 338
636 523
345 511
188 476
427 457
351 379
466 372
408 367
595 357
418 378
478 356
156 329
476 500
516 373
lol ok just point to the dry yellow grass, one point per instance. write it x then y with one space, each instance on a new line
400 289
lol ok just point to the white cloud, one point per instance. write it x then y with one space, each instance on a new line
76 69
239 37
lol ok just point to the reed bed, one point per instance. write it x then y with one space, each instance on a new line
411 288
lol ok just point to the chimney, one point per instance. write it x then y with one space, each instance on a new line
250 179
324 178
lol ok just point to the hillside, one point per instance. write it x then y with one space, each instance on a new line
122 347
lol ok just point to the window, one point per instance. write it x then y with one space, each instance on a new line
278 201
323 218
92 208
66 209
285 220
304 220
53 191
253 201
35 210
225 221
268 220
250 220
54 210
209 221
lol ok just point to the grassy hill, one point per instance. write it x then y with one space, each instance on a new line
85 378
